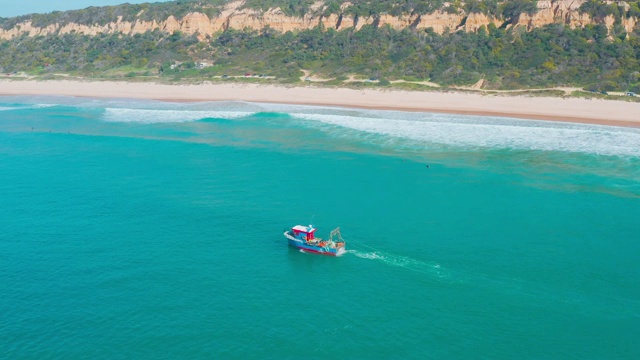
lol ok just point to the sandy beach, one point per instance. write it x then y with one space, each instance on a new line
597 111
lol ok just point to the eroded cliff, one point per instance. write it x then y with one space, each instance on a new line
234 15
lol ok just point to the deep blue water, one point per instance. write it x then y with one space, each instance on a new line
133 229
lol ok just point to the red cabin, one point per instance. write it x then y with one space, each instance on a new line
303 232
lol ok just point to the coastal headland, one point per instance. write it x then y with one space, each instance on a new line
595 111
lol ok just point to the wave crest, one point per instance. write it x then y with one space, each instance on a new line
149 116
488 132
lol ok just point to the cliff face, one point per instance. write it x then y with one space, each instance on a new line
566 11
235 17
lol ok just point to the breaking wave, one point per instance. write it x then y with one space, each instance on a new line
491 132
148 116
36 106
395 129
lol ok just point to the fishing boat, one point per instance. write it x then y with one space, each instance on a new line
303 238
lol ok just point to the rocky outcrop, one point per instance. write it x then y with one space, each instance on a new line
234 16
549 12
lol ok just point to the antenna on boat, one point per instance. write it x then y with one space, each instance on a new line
336 233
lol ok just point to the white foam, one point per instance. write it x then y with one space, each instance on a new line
35 106
367 255
403 262
495 133
148 116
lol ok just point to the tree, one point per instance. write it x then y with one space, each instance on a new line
512 9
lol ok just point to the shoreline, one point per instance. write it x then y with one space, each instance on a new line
577 110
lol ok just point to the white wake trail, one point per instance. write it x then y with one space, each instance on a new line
405 262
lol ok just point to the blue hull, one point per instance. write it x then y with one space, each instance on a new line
314 249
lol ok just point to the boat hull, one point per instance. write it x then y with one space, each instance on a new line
302 245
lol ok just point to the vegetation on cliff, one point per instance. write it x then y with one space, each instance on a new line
601 9
126 12
596 56
504 10
554 55
362 8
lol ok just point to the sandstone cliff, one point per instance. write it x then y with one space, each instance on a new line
234 16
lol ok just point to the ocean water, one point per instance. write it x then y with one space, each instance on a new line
141 229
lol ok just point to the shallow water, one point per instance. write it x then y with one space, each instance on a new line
154 230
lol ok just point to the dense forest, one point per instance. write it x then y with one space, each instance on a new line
593 57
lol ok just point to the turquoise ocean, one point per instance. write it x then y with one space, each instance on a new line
153 230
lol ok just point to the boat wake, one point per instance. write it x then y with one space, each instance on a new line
508 286
339 253
405 262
